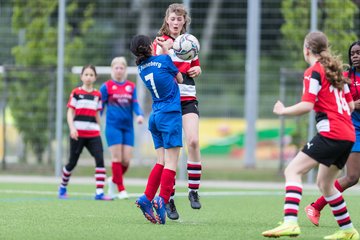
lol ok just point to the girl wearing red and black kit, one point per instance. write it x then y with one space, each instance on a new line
352 173
327 93
175 23
84 123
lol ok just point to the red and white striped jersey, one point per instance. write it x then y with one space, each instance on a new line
86 105
187 88
333 116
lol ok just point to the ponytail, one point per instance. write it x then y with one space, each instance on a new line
333 69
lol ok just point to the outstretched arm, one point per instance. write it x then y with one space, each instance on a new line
294 110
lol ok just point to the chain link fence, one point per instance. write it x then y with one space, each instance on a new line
220 25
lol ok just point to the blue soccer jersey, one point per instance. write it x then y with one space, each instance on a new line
158 74
165 123
120 101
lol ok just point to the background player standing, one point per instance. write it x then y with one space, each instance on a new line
84 123
120 100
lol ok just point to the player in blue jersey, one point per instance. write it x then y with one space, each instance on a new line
119 98
160 76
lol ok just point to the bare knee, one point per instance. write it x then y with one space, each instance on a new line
292 175
325 187
193 143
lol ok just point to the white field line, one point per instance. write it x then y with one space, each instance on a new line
142 182
178 194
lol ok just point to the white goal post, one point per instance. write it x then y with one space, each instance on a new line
104 70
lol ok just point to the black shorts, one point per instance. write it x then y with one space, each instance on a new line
92 144
328 151
190 106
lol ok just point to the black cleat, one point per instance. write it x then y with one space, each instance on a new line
171 211
194 200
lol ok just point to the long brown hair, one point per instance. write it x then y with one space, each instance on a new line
180 10
317 43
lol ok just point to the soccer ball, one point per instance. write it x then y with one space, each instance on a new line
186 46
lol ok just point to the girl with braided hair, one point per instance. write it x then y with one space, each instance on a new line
327 92
352 164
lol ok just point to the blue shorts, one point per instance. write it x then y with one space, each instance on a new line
356 146
166 129
355 117
116 135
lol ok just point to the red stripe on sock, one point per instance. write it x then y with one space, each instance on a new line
340 211
344 220
295 200
286 211
293 188
100 179
194 166
336 201
102 170
193 175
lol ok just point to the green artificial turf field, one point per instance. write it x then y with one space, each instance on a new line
32 211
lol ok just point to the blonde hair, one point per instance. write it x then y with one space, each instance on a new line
119 60
317 43
180 10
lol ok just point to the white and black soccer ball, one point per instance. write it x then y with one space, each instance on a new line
186 46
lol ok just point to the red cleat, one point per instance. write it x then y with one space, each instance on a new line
312 214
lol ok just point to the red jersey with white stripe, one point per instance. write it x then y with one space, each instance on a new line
333 117
86 105
187 88
354 85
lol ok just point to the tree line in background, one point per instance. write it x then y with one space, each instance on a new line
96 36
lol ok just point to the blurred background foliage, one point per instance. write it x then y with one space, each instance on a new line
99 30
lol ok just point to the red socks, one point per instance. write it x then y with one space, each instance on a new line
320 203
153 181
167 184
117 175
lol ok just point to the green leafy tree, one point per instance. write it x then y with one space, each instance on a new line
32 85
339 28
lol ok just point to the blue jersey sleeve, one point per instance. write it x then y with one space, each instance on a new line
135 104
104 96
173 69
